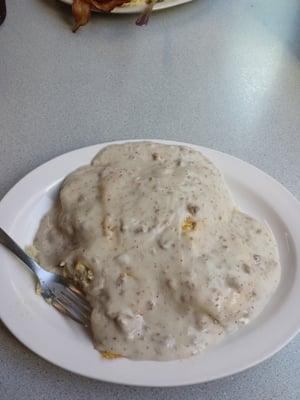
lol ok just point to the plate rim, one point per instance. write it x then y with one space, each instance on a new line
138 8
206 151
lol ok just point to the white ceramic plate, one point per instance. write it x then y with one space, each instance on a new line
131 9
66 344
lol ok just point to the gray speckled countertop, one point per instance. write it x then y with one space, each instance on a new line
223 74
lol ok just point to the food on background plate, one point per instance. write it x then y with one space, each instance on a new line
169 264
81 10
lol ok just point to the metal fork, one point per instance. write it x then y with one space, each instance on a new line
55 290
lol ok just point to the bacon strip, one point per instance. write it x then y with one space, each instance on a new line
81 9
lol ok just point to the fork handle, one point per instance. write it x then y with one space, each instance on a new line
11 245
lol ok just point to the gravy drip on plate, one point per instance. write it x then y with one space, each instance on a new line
168 262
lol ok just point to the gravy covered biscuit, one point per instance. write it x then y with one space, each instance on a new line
154 238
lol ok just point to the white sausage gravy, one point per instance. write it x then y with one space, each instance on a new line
168 262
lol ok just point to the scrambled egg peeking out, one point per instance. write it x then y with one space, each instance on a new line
80 274
189 225
110 355
134 3
127 273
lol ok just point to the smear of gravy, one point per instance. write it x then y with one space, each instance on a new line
168 262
